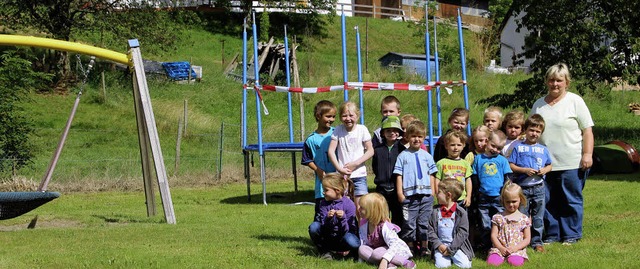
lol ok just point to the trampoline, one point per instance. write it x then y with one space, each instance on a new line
271 147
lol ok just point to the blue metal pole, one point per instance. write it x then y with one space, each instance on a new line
464 68
344 53
244 83
437 67
256 70
360 75
428 59
286 58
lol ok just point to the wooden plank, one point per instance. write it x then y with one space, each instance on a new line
265 52
232 65
152 134
143 143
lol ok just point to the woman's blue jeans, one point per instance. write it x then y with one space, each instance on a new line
564 205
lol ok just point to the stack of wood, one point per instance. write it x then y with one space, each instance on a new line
271 59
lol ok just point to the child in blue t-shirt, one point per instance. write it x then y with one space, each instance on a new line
492 170
416 177
530 163
314 153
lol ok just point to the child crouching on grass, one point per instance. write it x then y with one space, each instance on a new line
380 242
449 227
337 228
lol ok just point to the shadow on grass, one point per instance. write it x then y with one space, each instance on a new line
630 177
304 245
123 219
303 197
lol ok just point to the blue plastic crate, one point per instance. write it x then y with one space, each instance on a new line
179 70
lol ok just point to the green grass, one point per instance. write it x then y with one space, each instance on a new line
217 227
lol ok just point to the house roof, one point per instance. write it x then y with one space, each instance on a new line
407 56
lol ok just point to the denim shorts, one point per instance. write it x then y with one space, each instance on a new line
360 186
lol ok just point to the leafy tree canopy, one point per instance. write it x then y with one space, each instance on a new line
599 41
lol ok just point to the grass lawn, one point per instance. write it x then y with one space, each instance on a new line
218 228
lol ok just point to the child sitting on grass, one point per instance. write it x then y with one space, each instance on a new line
510 230
449 228
380 244
337 229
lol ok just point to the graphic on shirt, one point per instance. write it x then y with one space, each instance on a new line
490 169
539 163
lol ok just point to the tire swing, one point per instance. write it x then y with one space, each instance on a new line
14 204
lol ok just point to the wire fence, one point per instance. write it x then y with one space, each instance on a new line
105 154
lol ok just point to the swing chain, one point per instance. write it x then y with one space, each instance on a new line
85 73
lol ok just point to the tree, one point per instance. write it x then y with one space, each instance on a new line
64 19
16 80
56 18
599 40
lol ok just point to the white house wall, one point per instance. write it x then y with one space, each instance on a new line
512 43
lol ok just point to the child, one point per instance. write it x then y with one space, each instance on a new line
479 138
390 106
531 161
350 147
510 230
493 118
455 167
314 152
492 170
449 227
415 169
337 227
384 158
405 121
380 243
513 122
477 145
458 120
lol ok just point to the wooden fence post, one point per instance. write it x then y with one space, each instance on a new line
178 142
220 147
185 116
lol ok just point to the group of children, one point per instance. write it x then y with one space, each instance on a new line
488 190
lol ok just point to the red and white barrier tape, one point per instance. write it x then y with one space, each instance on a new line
367 86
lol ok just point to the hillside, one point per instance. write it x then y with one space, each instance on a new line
102 148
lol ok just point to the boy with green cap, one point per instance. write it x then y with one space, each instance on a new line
384 158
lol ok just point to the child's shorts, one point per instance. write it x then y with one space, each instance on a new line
360 186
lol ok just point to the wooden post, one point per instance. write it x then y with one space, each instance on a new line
176 166
104 88
220 151
189 71
265 53
148 132
374 10
185 117
222 51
